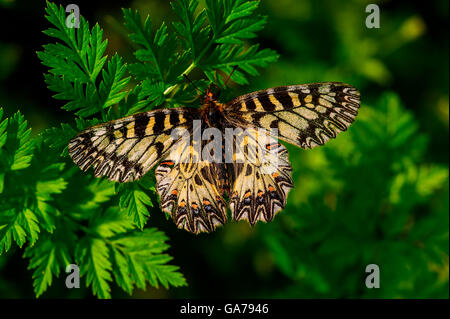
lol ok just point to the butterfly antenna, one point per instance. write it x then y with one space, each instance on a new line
229 77
190 81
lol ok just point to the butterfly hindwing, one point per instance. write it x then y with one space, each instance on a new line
188 190
262 175
304 115
125 149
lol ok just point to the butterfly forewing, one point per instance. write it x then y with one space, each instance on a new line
125 149
304 115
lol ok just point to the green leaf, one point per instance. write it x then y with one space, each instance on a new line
2 182
44 180
139 257
3 132
81 51
417 183
79 96
111 88
16 151
49 256
157 59
234 20
111 222
134 257
134 200
430 179
18 226
75 64
44 261
102 190
132 104
225 57
93 254
3 126
27 204
192 30
58 138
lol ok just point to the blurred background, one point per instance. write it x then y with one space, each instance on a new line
378 194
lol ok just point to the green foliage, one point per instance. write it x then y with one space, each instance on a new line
134 199
70 217
15 142
353 225
76 62
51 254
210 40
17 222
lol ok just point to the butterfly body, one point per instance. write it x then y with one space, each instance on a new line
192 185
212 109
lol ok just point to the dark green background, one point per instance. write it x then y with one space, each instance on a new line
347 209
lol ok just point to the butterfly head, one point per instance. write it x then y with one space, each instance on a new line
212 93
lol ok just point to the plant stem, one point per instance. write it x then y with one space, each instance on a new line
189 69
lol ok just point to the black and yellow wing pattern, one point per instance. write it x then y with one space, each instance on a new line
125 149
257 179
304 115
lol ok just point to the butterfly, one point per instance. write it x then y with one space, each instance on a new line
192 189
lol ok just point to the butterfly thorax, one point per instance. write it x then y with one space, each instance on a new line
212 111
